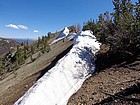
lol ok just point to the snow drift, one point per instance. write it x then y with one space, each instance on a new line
70 36
67 76
62 35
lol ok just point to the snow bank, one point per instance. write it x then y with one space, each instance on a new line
64 79
70 36
62 35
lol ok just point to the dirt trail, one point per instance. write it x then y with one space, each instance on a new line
13 87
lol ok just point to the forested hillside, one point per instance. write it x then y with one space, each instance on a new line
22 53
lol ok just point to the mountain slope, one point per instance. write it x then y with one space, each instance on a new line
7 44
66 77
14 86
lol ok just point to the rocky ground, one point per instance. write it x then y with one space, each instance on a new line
105 85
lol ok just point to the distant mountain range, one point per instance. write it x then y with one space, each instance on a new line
8 43
20 40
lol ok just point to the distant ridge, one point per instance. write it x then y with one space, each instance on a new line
20 40
6 44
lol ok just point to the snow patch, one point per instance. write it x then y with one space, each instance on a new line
70 36
62 35
64 79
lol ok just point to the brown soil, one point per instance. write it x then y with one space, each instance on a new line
14 86
117 84
105 84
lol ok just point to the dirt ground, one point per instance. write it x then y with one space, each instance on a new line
14 86
116 85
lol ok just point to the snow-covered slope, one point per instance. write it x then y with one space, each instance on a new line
63 80
62 35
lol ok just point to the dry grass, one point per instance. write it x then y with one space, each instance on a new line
13 87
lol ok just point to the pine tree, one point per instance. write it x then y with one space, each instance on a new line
49 34
38 42
25 52
1 66
17 56
90 25
32 49
116 4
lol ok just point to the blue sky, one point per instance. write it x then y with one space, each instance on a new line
33 18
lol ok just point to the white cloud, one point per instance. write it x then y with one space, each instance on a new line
12 26
17 26
36 31
22 27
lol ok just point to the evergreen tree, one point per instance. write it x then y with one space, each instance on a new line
25 52
1 66
49 34
32 49
90 25
17 56
38 42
